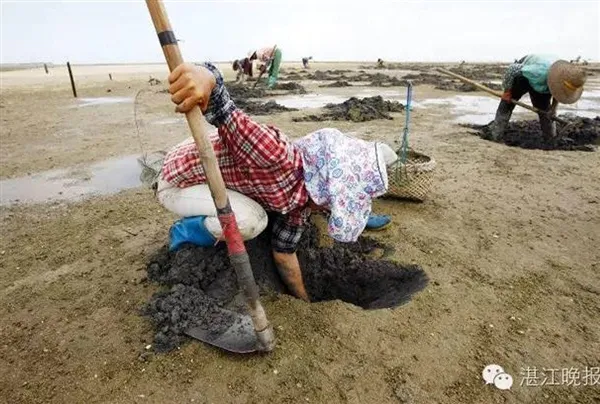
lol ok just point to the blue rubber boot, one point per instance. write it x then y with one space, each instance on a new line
190 230
378 222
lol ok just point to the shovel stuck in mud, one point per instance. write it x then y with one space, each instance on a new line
230 330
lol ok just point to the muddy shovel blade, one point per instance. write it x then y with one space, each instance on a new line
239 337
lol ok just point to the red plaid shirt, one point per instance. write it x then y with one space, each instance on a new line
256 160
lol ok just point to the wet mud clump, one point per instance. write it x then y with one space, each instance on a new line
336 84
291 87
356 110
450 85
262 108
481 72
579 134
201 282
325 75
387 82
242 91
242 94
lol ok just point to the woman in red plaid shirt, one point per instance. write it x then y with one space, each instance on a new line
325 170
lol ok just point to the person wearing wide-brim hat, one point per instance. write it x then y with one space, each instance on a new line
548 81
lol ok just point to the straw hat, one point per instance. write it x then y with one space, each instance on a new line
566 81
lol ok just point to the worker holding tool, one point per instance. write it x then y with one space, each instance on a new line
243 67
269 58
324 171
544 78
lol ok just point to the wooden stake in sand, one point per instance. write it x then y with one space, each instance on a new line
110 76
72 81
46 68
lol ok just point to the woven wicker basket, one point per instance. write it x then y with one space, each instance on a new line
411 179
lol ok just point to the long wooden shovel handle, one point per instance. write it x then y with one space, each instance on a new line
497 93
235 244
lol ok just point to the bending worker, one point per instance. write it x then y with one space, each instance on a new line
270 58
544 78
243 67
324 171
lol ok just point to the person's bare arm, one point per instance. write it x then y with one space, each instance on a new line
289 269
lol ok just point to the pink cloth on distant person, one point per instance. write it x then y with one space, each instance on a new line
264 54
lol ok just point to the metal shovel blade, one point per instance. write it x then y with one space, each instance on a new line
239 337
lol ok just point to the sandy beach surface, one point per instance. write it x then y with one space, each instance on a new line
508 237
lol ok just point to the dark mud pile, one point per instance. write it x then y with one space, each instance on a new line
291 87
356 110
481 72
332 75
579 134
241 94
458 86
201 282
336 84
345 76
261 108
387 82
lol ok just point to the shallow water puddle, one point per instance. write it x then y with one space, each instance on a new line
305 101
88 102
103 178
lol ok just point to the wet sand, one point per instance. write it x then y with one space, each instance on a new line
508 239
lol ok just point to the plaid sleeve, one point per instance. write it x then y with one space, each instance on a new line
288 229
512 72
220 105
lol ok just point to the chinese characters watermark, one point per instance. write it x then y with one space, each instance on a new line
534 377
539 377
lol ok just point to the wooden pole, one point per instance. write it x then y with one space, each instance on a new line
46 68
72 81
110 76
235 244
498 94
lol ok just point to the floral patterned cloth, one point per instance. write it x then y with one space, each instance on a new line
343 174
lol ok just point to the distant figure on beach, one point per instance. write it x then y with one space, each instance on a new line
324 171
305 61
546 79
379 62
243 67
269 58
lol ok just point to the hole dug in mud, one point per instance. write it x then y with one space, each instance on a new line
201 280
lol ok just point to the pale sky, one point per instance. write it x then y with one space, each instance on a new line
121 32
